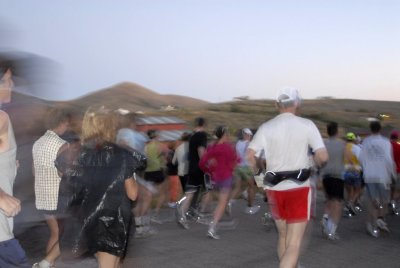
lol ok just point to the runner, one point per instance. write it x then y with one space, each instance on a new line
195 185
394 140
11 252
244 173
219 161
378 170
286 140
332 175
352 175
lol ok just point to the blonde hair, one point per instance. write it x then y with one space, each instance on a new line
99 124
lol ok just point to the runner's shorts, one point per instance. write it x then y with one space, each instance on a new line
243 172
353 178
154 176
334 187
195 182
292 205
379 192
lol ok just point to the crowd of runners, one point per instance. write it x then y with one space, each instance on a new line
85 181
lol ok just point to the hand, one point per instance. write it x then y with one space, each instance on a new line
9 205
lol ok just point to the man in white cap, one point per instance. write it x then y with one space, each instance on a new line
290 144
244 173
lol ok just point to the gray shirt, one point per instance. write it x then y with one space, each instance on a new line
335 165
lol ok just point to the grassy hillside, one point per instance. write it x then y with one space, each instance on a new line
27 112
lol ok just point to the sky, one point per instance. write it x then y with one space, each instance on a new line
213 50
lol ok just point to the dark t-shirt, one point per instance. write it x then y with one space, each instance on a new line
198 139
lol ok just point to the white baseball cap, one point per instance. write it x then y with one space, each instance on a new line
288 94
247 131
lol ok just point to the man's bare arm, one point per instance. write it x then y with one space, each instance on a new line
321 157
251 159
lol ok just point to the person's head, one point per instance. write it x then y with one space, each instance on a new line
128 121
350 136
332 129
247 133
288 98
152 134
99 125
375 127
6 81
394 135
221 132
199 122
185 136
58 120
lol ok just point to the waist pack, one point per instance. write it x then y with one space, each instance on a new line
273 178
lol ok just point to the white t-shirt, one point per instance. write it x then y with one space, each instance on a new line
288 141
241 148
376 160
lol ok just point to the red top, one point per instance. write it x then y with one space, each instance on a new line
219 160
396 154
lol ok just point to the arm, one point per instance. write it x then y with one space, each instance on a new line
321 157
251 159
10 205
131 188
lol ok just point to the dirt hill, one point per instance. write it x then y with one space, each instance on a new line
135 98
27 112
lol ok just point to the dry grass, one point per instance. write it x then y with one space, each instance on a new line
27 112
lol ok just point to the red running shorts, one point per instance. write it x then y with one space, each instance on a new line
292 205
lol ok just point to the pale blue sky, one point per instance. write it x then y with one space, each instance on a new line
214 50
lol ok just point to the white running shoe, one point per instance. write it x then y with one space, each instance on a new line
212 233
252 210
382 225
373 231
324 225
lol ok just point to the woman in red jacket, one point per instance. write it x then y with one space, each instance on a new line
219 161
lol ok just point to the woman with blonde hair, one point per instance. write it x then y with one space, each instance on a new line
104 188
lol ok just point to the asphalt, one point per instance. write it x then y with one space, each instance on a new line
249 245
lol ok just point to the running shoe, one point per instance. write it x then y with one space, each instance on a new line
382 225
394 208
358 208
324 225
347 213
350 207
183 223
156 219
228 209
212 233
333 237
171 204
373 231
252 210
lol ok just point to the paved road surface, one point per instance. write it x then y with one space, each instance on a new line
249 245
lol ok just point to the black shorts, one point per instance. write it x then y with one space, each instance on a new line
48 212
195 182
154 176
334 187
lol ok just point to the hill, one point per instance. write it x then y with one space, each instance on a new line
133 97
27 111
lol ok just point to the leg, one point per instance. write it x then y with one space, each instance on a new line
251 192
294 237
282 230
163 193
223 198
106 260
54 232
